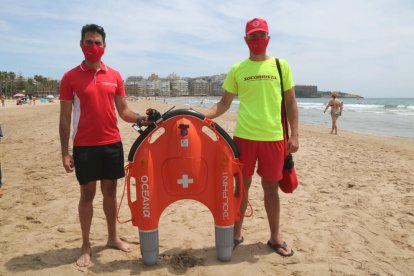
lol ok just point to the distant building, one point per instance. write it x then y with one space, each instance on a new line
216 88
135 86
153 77
199 87
179 88
165 88
173 76
151 87
133 80
216 85
175 86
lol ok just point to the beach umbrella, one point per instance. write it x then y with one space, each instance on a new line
50 97
18 95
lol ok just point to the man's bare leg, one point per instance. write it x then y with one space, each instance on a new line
85 216
272 206
238 224
333 123
108 187
334 127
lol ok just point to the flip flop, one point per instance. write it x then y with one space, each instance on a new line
237 242
276 248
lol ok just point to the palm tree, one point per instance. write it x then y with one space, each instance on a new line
3 78
11 78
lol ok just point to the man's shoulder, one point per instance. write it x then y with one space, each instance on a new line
111 70
242 63
283 62
108 68
74 69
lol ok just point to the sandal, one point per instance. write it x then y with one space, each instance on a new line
277 246
237 242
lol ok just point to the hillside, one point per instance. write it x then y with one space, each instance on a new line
340 95
312 93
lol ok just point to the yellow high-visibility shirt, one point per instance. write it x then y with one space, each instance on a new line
257 86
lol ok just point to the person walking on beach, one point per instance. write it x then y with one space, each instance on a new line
336 110
2 99
92 91
259 132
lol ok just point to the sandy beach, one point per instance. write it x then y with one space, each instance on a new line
353 213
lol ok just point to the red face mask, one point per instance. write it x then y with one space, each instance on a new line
93 52
257 45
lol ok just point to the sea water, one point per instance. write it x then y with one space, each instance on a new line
376 116
380 116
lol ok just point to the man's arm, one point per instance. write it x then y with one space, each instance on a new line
329 103
222 106
127 114
64 132
293 118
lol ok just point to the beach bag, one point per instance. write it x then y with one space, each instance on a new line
289 182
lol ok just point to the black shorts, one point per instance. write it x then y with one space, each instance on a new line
98 162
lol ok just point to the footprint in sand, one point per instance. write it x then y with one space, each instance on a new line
181 261
22 226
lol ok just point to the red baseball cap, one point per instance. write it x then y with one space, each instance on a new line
256 24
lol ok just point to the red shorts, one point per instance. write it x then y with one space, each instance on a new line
269 154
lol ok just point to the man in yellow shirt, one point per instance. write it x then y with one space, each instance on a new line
259 131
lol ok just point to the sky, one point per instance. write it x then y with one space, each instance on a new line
361 47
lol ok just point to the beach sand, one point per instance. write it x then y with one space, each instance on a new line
353 213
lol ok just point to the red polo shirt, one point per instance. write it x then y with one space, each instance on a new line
93 95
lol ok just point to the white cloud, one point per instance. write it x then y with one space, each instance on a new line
359 46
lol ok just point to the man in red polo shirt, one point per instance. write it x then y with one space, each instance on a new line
92 91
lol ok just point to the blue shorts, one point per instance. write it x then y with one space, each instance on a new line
98 162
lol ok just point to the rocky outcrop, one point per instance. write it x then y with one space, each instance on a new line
328 94
311 91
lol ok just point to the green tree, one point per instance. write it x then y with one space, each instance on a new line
21 85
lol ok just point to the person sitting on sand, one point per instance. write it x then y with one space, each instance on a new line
336 111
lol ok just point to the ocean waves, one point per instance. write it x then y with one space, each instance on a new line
397 109
385 117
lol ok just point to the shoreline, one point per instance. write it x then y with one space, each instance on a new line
12 104
364 119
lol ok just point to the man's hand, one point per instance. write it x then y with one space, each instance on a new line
144 120
293 144
68 163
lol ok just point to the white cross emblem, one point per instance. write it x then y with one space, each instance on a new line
185 181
